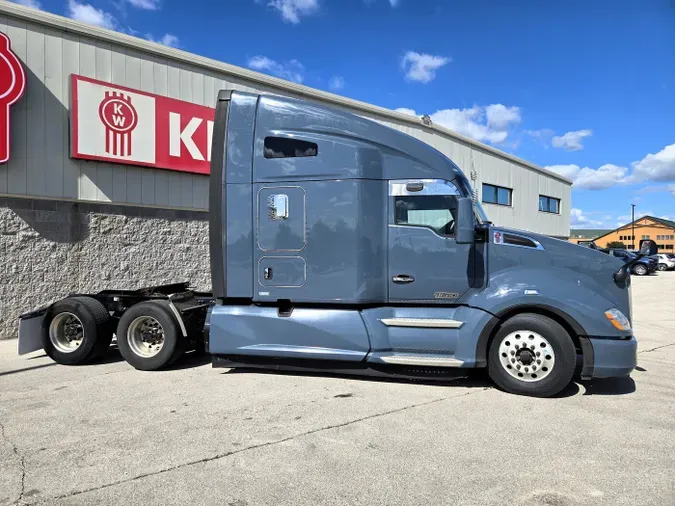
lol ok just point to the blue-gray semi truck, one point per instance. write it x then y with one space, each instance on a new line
339 244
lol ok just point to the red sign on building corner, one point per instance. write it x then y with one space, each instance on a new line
12 87
112 123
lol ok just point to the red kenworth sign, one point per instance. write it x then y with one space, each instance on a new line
12 86
116 124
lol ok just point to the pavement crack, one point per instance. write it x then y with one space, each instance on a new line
22 462
263 445
656 348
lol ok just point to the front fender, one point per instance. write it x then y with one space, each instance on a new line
572 297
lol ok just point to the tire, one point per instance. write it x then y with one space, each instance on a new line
662 267
557 356
639 270
141 329
81 317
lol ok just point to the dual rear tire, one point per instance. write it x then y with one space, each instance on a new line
149 337
78 330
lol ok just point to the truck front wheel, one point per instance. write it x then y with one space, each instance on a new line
531 355
149 337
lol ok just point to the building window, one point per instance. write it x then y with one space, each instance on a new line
645 236
496 195
436 212
283 147
668 246
549 204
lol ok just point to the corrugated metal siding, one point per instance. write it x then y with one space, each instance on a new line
41 166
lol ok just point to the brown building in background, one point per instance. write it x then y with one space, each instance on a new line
648 227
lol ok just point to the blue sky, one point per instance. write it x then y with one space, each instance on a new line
586 88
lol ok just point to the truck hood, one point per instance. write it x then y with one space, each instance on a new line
575 277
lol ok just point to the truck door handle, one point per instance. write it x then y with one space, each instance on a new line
402 279
267 273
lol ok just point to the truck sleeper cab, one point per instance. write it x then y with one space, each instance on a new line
338 243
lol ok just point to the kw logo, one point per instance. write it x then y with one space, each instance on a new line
119 118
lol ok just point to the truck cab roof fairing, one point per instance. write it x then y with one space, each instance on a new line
380 151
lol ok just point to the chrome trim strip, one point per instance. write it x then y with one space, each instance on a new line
432 323
301 350
397 188
537 244
432 361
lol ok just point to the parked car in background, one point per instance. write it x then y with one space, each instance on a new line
665 262
644 266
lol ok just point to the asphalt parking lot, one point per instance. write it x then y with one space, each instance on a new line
108 434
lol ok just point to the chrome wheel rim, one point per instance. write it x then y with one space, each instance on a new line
526 356
66 332
662 267
640 270
145 336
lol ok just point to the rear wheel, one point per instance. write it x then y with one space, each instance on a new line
531 355
662 267
76 330
149 337
639 269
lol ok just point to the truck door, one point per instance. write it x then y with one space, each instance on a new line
425 261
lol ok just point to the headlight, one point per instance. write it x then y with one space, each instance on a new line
618 319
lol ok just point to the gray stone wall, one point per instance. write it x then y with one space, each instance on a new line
51 248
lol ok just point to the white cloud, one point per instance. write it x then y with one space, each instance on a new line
405 110
34 4
579 219
148 5
168 40
478 123
658 167
586 178
336 83
89 14
491 123
500 117
291 10
422 67
292 70
653 167
571 141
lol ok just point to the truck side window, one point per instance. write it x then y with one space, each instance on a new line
284 147
436 212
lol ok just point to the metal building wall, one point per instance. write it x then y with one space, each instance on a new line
53 48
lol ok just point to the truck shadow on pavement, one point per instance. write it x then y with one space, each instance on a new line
474 379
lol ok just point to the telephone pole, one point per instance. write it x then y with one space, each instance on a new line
632 212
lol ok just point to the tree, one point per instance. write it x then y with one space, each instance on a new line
616 245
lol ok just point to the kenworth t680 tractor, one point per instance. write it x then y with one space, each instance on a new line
341 245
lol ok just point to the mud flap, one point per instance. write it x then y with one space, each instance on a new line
30 331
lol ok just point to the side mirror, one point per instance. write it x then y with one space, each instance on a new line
465 221
648 248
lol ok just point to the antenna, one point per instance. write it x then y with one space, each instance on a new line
473 174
